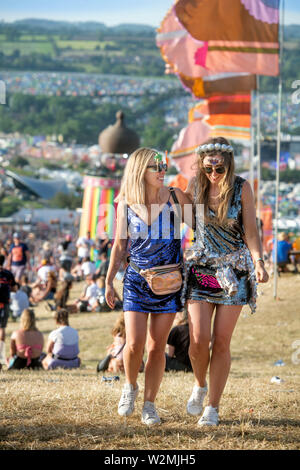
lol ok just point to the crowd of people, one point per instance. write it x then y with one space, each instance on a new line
193 299
34 271
129 91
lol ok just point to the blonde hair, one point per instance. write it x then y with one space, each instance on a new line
132 189
226 185
27 320
119 326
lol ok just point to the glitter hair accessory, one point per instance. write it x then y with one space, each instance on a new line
158 157
217 147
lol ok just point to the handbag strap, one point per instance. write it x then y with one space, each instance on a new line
173 194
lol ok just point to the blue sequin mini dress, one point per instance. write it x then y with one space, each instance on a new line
151 245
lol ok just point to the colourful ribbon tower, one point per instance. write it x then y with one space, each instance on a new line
98 208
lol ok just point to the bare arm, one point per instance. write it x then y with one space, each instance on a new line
186 204
13 346
252 237
50 346
118 253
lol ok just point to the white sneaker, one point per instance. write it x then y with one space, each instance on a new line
149 414
210 417
126 403
195 404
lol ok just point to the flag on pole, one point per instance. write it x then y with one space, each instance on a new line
198 38
218 84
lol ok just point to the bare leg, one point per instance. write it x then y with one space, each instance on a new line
159 330
200 315
2 345
224 324
136 332
2 334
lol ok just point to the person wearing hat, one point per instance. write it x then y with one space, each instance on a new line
18 257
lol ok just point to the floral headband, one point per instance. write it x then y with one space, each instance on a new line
217 147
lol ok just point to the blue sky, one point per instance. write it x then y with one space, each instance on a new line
110 12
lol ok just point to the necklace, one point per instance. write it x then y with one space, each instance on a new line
214 197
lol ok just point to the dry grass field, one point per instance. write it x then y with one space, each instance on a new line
57 410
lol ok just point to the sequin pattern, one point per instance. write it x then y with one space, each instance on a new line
149 246
223 251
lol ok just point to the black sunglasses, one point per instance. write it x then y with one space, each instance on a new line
159 167
220 169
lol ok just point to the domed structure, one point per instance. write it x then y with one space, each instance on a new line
117 138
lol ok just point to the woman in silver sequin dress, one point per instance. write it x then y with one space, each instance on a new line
221 270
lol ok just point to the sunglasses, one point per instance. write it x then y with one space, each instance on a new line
158 168
220 169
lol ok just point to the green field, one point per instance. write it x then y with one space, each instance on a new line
27 47
42 45
79 45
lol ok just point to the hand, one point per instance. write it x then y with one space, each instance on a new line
110 296
261 273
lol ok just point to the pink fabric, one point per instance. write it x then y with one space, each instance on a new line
190 138
192 58
200 55
260 64
186 165
28 351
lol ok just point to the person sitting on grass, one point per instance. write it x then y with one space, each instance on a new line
26 344
116 348
63 344
46 292
177 355
18 301
88 299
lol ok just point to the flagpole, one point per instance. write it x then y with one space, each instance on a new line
251 164
278 148
258 137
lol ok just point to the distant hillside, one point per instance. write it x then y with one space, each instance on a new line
53 25
82 26
291 32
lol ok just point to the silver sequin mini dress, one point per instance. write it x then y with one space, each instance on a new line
218 267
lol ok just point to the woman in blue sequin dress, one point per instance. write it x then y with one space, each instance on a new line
148 232
220 274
